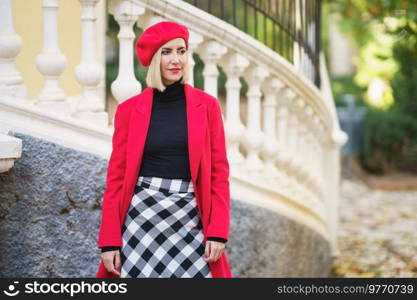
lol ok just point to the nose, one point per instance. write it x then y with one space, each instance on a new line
175 58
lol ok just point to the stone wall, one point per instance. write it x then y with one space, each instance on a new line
50 213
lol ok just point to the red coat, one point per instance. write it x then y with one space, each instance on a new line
208 164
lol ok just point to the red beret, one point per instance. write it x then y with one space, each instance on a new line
155 36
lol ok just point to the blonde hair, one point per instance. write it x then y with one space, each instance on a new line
154 78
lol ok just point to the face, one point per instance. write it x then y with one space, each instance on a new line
173 60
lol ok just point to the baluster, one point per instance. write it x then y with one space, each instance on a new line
51 62
254 137
313 152
307 157
11 82
126 13
293 163
193 41
149 19
321 157
283 157
270 146
292 125
308 115
298 107
300 143
210 53
317 154
300 170
89 72
233 65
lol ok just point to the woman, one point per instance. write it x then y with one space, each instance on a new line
170 216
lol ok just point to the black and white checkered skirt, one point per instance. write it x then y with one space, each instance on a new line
162 232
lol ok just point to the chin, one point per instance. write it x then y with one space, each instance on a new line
175 77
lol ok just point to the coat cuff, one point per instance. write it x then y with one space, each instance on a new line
217 239
109 248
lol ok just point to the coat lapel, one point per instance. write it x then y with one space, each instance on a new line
139 124
197 125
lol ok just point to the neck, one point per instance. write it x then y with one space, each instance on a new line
172 83
172 92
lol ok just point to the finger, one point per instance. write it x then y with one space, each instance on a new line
209 255
106 266
113 270
212 252
117 260
216 254
107 263
113 267
220 252
207 250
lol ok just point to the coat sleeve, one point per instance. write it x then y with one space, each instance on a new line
110 232
220 194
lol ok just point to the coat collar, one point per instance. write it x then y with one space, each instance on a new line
140 120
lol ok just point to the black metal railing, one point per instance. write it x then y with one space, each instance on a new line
289 27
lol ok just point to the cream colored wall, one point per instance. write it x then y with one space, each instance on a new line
28 24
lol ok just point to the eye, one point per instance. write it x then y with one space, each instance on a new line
183 51
165 51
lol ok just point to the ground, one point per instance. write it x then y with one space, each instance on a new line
377 232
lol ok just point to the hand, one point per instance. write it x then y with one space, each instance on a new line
111 260
213 250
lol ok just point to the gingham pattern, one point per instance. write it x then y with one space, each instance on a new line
162 232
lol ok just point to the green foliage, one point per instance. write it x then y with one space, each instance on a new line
405 80
385 31
388 138
345 85
376 60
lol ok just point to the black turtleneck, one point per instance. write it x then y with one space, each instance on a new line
166 147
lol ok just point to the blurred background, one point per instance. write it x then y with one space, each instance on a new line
372 52
371 47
